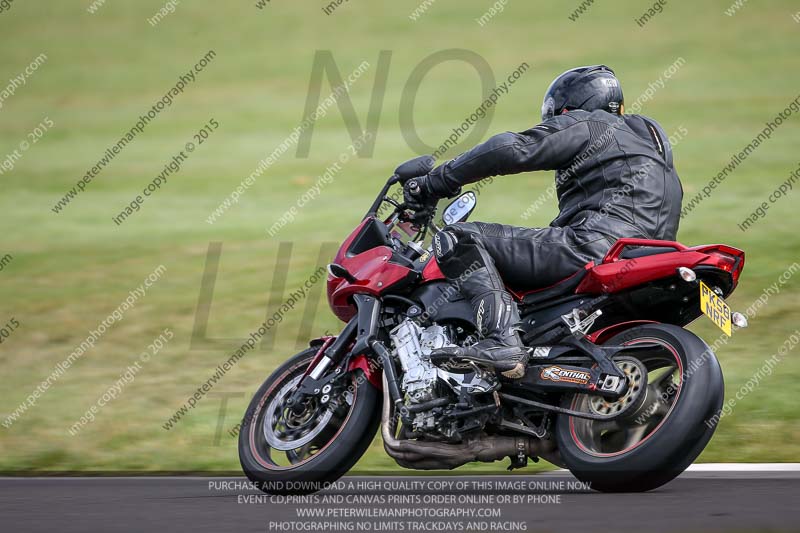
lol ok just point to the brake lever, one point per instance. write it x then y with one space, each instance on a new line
425 220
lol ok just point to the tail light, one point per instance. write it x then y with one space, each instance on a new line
728 262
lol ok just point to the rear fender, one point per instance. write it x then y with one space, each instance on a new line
602 335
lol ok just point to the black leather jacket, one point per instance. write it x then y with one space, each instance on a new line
614 174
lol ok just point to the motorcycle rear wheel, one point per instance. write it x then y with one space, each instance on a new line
668 431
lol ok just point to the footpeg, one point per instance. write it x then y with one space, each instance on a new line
578 326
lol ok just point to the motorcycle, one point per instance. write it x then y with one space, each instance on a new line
616 390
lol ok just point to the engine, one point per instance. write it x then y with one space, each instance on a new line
413 346
423 383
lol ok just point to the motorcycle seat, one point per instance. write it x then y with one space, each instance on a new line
567 286
562 288
644 251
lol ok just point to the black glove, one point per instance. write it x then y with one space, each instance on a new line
419 198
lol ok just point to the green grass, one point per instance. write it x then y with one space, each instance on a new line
70 270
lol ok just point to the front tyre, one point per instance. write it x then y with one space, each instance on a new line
680 387
299 450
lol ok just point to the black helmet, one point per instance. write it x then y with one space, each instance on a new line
587 88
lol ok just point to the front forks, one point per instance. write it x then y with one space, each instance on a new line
358 338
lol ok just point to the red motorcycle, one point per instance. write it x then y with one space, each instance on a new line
616 390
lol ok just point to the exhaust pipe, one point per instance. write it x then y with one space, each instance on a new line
422 455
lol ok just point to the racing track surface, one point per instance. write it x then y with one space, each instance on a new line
704 499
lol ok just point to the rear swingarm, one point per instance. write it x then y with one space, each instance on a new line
554 373
549 407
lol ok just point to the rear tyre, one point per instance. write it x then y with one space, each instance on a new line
287 451
663 433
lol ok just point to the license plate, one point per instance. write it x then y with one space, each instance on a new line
715 308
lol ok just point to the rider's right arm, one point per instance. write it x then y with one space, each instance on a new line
551 145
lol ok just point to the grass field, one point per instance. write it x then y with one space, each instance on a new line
66 272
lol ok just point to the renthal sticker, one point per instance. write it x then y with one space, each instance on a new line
556 373
424 257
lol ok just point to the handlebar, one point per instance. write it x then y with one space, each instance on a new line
399 213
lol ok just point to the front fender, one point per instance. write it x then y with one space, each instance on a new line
372 371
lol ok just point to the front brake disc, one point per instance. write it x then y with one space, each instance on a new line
285 430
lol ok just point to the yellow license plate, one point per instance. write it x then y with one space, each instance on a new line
715 308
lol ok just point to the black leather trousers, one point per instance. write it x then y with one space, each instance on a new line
485 258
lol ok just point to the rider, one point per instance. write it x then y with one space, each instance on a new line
614 178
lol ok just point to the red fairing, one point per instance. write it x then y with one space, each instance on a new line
615 274
374 274
373 271
432 272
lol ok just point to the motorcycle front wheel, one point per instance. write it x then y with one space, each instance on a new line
664 421
300 450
